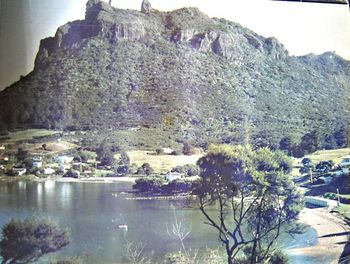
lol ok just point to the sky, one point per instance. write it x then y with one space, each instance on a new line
303 28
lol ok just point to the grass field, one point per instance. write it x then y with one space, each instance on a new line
344 210
29 134
161 163
52 147
333 155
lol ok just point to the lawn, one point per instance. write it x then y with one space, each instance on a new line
161 163
51 146
344 210
29 134
333 155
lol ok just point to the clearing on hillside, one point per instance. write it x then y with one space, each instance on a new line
334 155
29 134
161 163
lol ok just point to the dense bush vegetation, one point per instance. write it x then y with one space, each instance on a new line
149 184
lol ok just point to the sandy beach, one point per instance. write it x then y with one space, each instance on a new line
331 231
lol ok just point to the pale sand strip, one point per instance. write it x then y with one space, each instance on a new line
331 232
90 179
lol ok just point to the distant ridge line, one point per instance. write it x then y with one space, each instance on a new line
339 2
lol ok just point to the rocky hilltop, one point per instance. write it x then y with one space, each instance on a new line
182 71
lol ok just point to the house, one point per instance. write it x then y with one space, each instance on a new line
2 147
37 161
77 166
322 202
49 171
37 164
63 159
167 151
37 158
172 176
19 171
345 161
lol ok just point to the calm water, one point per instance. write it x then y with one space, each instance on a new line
93 211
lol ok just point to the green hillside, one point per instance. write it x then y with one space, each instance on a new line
202 79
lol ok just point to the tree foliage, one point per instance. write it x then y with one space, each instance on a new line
105 154
25 241
254 194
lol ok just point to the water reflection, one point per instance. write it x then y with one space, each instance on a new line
22 185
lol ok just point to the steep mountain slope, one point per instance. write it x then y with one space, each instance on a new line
205 78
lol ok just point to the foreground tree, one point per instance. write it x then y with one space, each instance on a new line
254 195
25 241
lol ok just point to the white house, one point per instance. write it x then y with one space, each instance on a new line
37 158
19 171
2 147
63 159
172 176
167 150
49 171
37 164
37 161
345 161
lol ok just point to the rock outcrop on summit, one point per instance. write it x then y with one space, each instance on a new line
146 6
182 71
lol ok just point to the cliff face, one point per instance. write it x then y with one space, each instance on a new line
177 70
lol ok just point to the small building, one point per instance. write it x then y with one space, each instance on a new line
172 176
19 171
168 151
37 158
49 171
2 147
319 201
37 162
345 161
63 159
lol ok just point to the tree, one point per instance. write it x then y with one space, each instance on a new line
22 154
3 129
25 241
146 169
105 154
254 195
309 142
124 159
187 149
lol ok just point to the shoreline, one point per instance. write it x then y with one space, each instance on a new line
332 231
332 234
90 179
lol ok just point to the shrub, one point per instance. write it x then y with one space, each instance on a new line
146 169
159 151
71 173
188 149
179 185
123 170
149 184
189 170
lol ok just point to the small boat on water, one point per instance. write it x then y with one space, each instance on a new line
123 227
